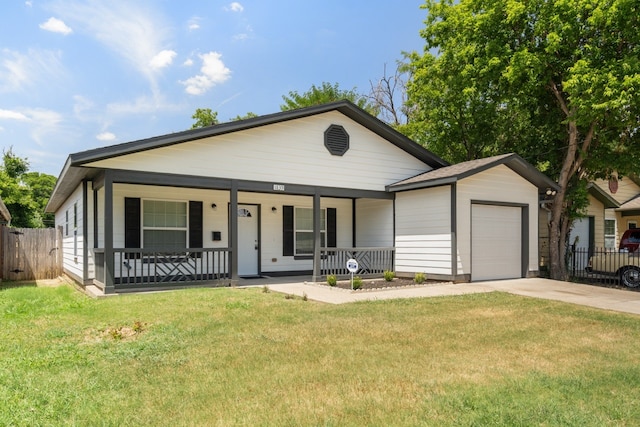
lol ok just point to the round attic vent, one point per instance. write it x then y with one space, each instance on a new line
336 139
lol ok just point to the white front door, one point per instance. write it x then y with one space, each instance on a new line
248 245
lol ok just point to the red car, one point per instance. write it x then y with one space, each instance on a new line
630 240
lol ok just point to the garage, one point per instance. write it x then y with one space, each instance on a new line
496 242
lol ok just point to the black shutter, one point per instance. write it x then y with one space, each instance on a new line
195 224
131 222
287 231
331 228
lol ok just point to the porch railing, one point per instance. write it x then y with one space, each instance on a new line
145 268
371 261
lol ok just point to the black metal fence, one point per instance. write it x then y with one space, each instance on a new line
603 266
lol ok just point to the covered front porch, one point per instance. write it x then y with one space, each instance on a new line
150 231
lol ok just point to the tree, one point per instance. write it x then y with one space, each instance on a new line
324 94
389 95
204 117
556 81
249 115
25 194
41 186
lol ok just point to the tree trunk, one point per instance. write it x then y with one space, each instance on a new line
558 230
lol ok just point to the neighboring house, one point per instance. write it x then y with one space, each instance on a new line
618 219
613 208
292 193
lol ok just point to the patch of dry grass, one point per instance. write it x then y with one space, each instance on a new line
245 357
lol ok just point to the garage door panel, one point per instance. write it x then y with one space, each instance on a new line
496 242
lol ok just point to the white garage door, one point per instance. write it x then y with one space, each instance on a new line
496 242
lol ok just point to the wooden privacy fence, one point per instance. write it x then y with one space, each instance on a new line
30 253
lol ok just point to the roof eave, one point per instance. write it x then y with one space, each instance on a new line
422 184
602 196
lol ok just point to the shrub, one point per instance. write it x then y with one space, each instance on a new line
389 275
420 277
357 282
332 280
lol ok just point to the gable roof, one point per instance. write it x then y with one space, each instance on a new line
459 171
73 172
630 207
602 196
345 107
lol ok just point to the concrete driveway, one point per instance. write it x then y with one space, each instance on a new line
592 296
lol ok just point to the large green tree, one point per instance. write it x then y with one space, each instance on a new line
324 94
558 81
25 193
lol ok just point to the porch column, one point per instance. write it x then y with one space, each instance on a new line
316 236
109 264
85 232
233 230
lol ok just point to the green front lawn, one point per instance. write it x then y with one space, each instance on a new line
246 357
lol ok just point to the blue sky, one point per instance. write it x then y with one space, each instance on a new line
76 75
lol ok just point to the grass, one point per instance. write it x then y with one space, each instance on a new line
248 357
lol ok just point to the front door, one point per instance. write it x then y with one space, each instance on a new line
248 244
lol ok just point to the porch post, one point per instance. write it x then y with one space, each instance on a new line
109 264
316 236
85 232
233 230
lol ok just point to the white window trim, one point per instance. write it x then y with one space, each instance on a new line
610 236
144 228
323 228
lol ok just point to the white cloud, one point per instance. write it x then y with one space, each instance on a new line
142 105
240 37
56 26
12 115
188 62
19 71
234 7
28 3
162 59
133 30
105 136
213 71
194 23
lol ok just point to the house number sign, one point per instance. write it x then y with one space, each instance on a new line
278 187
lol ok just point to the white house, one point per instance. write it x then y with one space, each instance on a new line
292 193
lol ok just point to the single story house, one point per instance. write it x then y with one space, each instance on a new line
293 193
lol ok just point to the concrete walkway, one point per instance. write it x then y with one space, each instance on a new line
573 293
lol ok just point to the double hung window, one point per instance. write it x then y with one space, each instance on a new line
164 224
304 230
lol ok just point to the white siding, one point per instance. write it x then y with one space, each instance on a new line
290 152
374 223
72 239
423 231
498 184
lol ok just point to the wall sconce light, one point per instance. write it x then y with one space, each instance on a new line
274 210
550 192
213 206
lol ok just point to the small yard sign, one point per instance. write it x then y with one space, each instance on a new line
352 266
